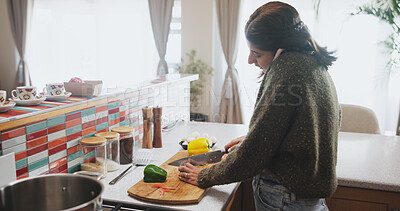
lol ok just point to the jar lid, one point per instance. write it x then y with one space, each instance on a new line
123 129
93 140
107 135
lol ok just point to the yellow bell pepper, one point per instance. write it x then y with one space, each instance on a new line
198 146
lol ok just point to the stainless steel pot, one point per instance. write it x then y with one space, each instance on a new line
52 192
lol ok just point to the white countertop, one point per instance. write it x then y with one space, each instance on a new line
364 161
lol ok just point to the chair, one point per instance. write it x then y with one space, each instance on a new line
359 119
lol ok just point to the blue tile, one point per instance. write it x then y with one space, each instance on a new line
88 112
36 127
113 116
113 105
73 130
124 123
21 163
89 135
75 155
38 164
89 155
55 121
101 126
74 168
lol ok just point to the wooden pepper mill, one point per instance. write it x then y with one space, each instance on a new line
157 138
147 127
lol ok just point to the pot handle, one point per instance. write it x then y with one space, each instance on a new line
97 175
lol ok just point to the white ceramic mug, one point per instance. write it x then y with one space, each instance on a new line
54 89
25 93
3 97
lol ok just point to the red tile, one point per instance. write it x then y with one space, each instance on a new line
88 131
57 142
22 171
0 146
12 133
113 122
56 128
22 177
37 134
122 113
37 149
58 163
101 108
74 136
88 124
113 111
73 116
36 142
73 149
20 156
57 149
121 119
102 120
104 130
60 169
73 123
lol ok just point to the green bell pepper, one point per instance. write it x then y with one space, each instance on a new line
153 173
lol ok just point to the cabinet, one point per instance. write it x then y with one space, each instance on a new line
359 199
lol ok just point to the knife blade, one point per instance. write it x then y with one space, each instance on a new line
201 159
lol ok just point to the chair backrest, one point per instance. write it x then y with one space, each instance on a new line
358 119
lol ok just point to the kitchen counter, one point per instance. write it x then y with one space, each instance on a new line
364 161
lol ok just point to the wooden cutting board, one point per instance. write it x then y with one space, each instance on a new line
184 193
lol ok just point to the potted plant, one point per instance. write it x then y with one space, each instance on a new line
195 66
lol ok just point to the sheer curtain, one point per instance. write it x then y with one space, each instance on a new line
109 40
360 73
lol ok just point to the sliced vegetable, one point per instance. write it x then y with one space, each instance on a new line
153 173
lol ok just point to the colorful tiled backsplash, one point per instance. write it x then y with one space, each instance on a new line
52 145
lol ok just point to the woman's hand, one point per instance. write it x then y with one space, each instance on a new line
189 174
232 145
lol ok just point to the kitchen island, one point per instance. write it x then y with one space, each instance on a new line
365 162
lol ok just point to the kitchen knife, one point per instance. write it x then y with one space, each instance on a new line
200 159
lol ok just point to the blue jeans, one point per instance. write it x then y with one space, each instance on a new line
269 194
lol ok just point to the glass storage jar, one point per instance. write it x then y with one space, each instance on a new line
126 143
94 155
112 149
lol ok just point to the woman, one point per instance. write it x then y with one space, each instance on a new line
291 146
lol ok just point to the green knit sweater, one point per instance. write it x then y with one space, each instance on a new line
293 132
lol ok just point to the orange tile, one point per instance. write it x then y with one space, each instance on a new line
89 131
36 142
122 113
58 163
65 171
73 149
73 123
104 130
20 156
101 108
113 122
12 133
22 176
57 142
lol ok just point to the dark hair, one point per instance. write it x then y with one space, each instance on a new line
278 25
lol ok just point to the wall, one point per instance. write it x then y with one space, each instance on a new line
8 53
52 145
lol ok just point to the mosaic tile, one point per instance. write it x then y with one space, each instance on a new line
73 149
73 123
36 127
55 128
103 130
20 155
15 149
57 135
41 170
88 124
75 155
73 143
88 118
73 130
75 162
21 164
101 114
74 136
22 171
55 121
135 124
58 163
122 113
57 142
101 108
36 134
58 156
35 150
74 168
113 116
36 142
113 111
59 169
38 164
12 133
88 131
22 176
113 122
89 135
121 119
57 149
72 116
124 123
88 111
113 105
102 120
38 156
113 126
13 142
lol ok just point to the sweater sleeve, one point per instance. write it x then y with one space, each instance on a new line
269 124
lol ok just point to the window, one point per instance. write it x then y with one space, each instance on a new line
174 47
